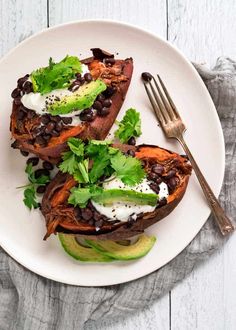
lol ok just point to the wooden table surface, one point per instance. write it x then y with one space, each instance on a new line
203 30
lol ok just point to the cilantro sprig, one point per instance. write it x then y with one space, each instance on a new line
129 126
104 159
30 199
55 75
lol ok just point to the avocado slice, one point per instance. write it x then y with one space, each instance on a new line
79 252
79 100
120 252
110 196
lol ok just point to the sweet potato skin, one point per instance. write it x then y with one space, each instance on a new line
98 129
121 230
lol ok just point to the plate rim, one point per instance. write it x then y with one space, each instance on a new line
197 76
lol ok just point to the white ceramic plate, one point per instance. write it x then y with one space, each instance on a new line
21 231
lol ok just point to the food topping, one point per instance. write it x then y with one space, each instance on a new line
123 210
56 75
129 127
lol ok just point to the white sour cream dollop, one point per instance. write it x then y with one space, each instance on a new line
121 210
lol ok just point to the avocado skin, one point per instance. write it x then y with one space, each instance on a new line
82 99
112 195
120 252
79 252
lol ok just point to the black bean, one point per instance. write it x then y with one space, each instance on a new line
86 213
17 100
109 91
97 105
158 169
172 183
153 176
20 115
15 93
32 160
75 85
132 141
78 75
21 107
170 174
104 112
87 115
91 222
131 152
162 202
21 81
50 126
109 60
101 97
41 172
28 87
59 126
88 77
41 189
55 133
66 120
97 216
146 76
107 103
155 187
40 140
77 212
82 80
74 88
24 153
47 165
31 114
14 145
56 118
36 131
45 119
158 180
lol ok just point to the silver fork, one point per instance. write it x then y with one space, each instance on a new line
173 127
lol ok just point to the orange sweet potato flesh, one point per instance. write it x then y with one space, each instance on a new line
119 75
60 216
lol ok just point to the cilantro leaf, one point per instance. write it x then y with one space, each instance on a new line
81 196
128 169
129 126
69 164
76 146
56 75
99 153
30 198
81 174
74 165
29 170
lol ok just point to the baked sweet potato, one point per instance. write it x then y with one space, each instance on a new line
168 167
26 124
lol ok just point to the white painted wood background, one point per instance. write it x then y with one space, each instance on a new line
203 30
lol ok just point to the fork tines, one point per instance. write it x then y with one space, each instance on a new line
161 101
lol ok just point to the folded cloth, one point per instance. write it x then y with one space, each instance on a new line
29 301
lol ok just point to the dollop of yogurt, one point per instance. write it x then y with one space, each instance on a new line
122 210
38 102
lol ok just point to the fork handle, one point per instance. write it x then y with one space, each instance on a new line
222 221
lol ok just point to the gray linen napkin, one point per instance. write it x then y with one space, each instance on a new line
29 301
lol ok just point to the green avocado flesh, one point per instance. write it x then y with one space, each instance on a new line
120 252
82 99
113 195
79 252
106 251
